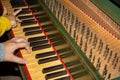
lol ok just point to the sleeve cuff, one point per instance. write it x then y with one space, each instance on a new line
2 52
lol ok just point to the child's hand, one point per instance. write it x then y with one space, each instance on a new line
13 18
4 11
12 45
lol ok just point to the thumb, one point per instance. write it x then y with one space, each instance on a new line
18 60
17 11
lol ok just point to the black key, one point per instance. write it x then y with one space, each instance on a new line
24 11
25 17
32 2
31 28
33 39
46 26
28 22
41 47
17 3
56 38
37 9
59 42
38 43
46 60
50 29
80 74
55 74
21 1
53 35
43 19
29 16
39 15
66 55
77 68
33 32
53 68
64 78
41 55
63 50
75 62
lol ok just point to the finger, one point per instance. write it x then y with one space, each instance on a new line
13 24
23 45
20 39
18 60
28 49
5 11
17 11
18 20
